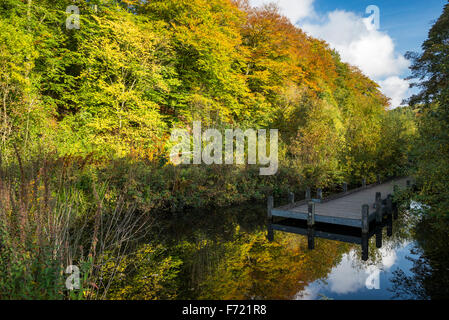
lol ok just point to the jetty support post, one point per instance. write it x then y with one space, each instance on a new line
389 205
364 183
390 225
378 236
345 187
365 217
379 218
395 211
270 205
310 226
311 238
291 198
389 210
365 230
365 246
379 181
270 234
379 212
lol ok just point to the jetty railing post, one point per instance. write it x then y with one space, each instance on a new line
319 194
308 194
365 230
310 226
311 214
345 187
270 205
291 197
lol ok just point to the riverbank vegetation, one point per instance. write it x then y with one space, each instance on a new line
429 69
86 116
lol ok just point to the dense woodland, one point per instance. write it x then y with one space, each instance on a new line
86 116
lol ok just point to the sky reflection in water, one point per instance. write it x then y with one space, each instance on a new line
352 278
348 280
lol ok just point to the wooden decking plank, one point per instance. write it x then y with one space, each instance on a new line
344 208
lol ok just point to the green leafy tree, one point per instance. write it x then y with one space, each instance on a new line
431 69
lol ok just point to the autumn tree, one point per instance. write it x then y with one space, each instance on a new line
431 69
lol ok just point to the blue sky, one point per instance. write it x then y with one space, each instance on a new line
377 50
407 22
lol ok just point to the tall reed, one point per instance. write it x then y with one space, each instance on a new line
46 224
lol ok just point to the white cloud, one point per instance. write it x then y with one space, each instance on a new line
345 277
351 275
357 41
369 49
295 10
309 293
395 88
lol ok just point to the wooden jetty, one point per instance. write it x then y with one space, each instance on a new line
353 208
334 232
345 217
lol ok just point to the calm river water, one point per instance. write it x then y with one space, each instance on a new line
227 256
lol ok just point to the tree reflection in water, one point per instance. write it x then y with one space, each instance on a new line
430 271
225 254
